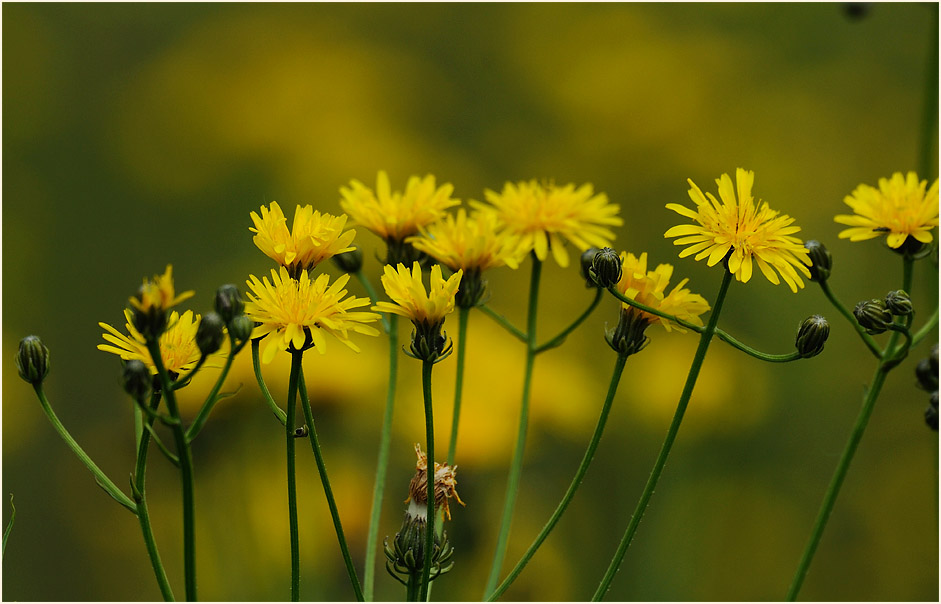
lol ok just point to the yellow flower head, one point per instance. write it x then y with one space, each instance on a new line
542 215
899 208
649 287
314 236
473 243
409 298
296 312
393 215
738 226
158 294
178 348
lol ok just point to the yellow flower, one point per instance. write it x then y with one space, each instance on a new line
158 295
409 298
314 237
542 215
296 312
178 348
649 287
900 207
395 216
736 225
464 243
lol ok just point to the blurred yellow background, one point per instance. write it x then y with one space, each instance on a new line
136 135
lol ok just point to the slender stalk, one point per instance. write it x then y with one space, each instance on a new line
576 481
462 316
256 364
411 588
186 473
9 529
513 480
762 356
382 465
557 341
503 322
929 328
867 339
327 490
100 477
212 399
691 378
430 473
289 436
654 311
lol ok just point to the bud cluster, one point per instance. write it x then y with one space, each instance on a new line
927 373
230 314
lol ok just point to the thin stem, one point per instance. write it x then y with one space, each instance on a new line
411 588
100 477
503 322
184 379
382 465
462 317
630 302
513 480
211 400
327 490
387 325
927 329
289 436
9 529
557 341
576 481
867 339
256 364
704 340
763 356
430 473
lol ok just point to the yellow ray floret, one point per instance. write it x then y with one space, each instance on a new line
314 237
899 208
469 243
158 293
649 287
178 349
752 233
409 297
544 216
291 310
394 215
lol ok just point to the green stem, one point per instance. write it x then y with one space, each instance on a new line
430 473
926 167
630 302
927 329
503 322
557 341
382 465
100 477
296 357
256 364
513 480
704 340
211 400
186 473
9 529
411 588
579 476
462 316
387 325
867 339
763 356
184 379
327 490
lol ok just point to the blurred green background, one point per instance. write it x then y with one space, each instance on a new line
136 135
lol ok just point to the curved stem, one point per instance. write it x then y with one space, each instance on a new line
462 315
256 364
430 474
327 490
630 302
867 339
513 479
503 322
557 341
576 481
296 358
762 356
382 465
184 379
100 477
6 532
704 340
927 329
211 400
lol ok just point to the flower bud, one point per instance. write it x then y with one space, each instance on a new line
820 259
229 302
811 336
931 412
349 262
587 256
429 342
151 321
628 337
606 268
241 328
136 379
898 303
927 379
873 316
210 334
32 360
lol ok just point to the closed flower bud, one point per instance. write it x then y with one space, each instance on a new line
606 268
136 379
587 256
821 260
241 328
811 336
873 316
927 378
628 337
229 303
931 412
210 334
349 262
151 321
32 360
898 303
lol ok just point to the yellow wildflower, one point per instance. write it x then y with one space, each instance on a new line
178 349
899 208
649 287
468 243
314 236
409 298
158 294
744 232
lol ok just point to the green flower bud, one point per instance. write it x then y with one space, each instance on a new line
151 322
405 556
241 327
873 316
587 256
606 268
898 303
210 334
628 337
350 262
32 360
811 336
229 302
931 412
821 260
927 371
136 379
429 342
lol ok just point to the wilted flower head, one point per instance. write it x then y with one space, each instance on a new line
314 237
900 208
445 486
